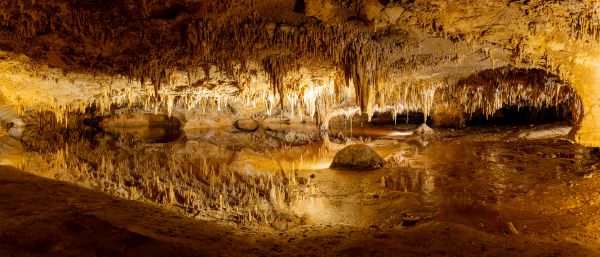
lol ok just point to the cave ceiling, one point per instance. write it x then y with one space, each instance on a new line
65 54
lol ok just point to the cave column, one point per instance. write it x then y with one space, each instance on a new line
586 81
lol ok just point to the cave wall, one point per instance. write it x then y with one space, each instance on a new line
586 80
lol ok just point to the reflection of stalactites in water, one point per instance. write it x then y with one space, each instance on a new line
421 182
196 182
456 176
428 185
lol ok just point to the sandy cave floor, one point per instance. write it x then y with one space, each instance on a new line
66 220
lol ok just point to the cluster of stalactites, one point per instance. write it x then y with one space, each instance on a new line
497 94
281 48
584 25
310 97
404 97
61 111
363 64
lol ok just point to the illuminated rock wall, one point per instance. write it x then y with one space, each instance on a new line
586 80
193 57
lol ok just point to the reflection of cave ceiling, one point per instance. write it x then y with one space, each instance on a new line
290 52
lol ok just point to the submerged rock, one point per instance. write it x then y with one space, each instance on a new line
562 131
395 159
276 124
357 157
132 118
246 125
294 137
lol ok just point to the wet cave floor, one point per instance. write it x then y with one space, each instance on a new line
477 191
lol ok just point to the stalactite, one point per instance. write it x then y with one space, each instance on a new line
493 91
360 57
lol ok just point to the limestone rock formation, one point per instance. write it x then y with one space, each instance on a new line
11 122
423 130
302 59
246 125
357 157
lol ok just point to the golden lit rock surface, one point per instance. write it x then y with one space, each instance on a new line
303 57
357 157
231 112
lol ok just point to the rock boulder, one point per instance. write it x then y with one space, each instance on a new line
423 130
357 157
246 125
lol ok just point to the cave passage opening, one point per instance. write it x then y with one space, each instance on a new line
525 115
495 97
512 97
